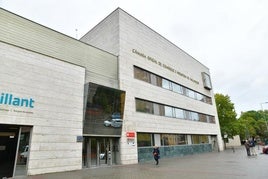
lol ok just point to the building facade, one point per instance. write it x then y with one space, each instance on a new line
169 99
106 99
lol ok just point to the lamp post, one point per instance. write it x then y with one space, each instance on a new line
264 114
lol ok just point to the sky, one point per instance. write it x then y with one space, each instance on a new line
230 37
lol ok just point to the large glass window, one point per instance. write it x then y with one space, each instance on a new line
194 116
208 100
199 139
159 109
173 139
166 84
144 106
156 80
211 119
203 118
179 113
190 93
206 81
141 74
144 139
177 88
168 111
104 110
200 97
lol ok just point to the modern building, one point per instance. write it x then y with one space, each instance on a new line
106 99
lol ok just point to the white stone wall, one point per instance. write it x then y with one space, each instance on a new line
158 53
57 89
234 142
101 67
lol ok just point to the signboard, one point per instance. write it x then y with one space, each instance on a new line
130 134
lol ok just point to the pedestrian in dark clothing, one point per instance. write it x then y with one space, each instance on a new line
156 154
247 145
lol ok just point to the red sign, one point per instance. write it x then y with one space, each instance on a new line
130 134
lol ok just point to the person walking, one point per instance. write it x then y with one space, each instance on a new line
247 146
156 154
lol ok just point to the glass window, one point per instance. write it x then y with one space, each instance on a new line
144 106
168 111
166 84
211 119
208 100
206 81
156 80
200 97
102 106
199 139
179 113
173 139
203 118
144 139
153 79
141 74
177 88
156 109
194 116
184 91
190 93
161 110
188 115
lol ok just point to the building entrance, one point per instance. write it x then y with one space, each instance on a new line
8 147
14 145
99 151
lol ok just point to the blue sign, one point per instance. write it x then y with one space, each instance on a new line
9 99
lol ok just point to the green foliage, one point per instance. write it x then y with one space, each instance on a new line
227 115
250 123
253 123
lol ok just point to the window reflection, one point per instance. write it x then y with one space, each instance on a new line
173 139
170 111
104 110
179 113
144 139
200 139
177 88
23 151
167 84
144 106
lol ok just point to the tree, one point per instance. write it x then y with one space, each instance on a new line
253 124
227 116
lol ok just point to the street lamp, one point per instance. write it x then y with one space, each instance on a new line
264 114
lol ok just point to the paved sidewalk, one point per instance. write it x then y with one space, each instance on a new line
217 165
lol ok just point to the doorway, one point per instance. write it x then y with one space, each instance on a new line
99 151
14 145
8 147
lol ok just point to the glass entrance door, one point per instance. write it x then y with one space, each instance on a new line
105 152
97 152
